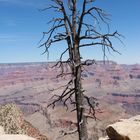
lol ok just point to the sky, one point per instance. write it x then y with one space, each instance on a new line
22 24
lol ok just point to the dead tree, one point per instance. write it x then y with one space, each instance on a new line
70 25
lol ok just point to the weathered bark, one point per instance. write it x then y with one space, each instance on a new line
79 97
81 122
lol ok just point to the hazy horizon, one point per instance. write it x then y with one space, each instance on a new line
29 62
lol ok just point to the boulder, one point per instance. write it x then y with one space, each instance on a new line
116 134
125 129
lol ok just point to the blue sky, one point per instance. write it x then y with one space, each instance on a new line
22 24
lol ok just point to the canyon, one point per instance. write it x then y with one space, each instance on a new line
31 85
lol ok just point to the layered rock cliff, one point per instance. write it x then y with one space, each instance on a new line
30 86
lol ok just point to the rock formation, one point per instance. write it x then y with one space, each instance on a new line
109 73
125 129
31 85
13 125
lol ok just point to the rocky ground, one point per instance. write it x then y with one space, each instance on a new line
29 85
124 129
13 124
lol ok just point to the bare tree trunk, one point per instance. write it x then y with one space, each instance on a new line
79 34
81 120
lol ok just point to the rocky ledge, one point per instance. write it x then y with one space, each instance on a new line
14 127
124 129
